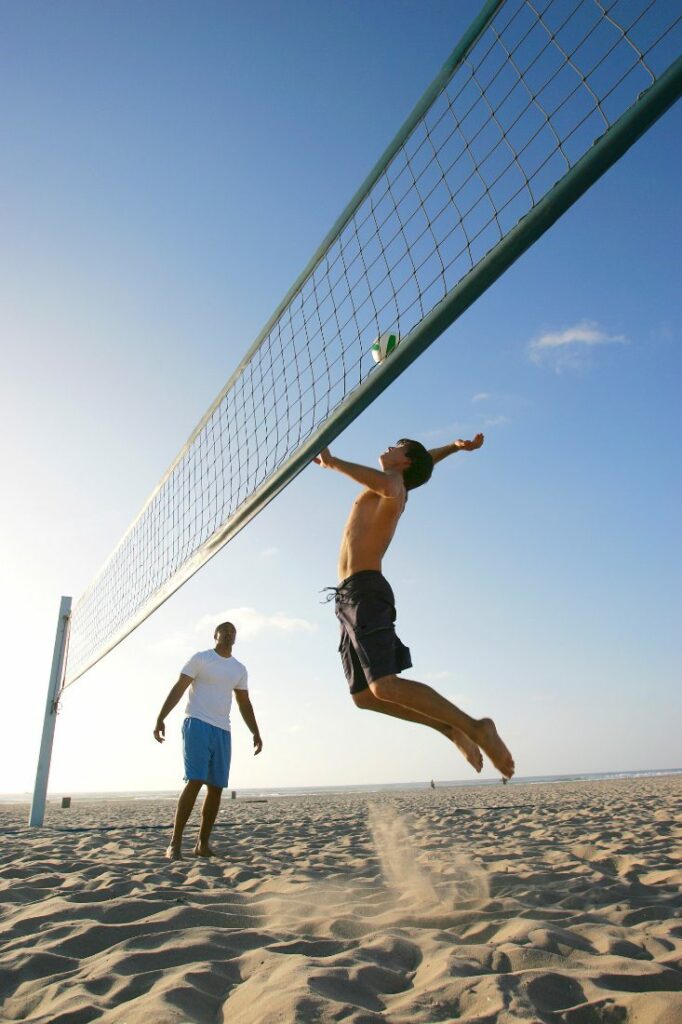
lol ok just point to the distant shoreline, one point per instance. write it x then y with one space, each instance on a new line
378 787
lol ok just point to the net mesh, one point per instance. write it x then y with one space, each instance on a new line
539 86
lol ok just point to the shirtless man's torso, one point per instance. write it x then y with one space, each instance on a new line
368 532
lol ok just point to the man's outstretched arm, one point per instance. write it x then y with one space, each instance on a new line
390 485
437 454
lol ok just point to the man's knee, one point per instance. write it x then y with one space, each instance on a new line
384 688
363 698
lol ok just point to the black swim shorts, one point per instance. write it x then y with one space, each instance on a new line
369 648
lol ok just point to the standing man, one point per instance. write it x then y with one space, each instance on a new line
211 677
371 653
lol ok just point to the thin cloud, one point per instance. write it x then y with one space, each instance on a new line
467 430
482 396
566 348
251 623
176 644
269 552
449 432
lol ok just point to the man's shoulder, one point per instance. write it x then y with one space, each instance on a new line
203 654
396 487
198 658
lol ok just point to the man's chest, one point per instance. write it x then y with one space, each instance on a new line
218 676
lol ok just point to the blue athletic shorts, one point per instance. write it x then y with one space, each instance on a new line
207 751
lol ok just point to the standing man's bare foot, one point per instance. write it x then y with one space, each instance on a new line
467 747
492 745
203 850
173 852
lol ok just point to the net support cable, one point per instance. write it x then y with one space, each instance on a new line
536 102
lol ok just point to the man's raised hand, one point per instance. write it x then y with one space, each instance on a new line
325 458
471 446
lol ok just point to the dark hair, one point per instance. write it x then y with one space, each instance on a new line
421 464
222 626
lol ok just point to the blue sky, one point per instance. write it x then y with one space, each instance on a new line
168 171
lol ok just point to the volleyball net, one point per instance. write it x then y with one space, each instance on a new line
534 104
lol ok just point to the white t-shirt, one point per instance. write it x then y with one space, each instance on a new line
213 680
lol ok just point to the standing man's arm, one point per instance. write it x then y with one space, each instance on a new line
437 454
175 695
246 710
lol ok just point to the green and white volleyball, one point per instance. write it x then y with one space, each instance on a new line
383 346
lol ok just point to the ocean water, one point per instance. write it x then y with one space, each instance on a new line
273 792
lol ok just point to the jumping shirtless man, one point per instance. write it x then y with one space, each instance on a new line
371 653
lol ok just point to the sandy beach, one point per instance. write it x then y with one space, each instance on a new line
558 902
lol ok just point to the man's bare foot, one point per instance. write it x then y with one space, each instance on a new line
467 747
173 852
203 850
492 745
